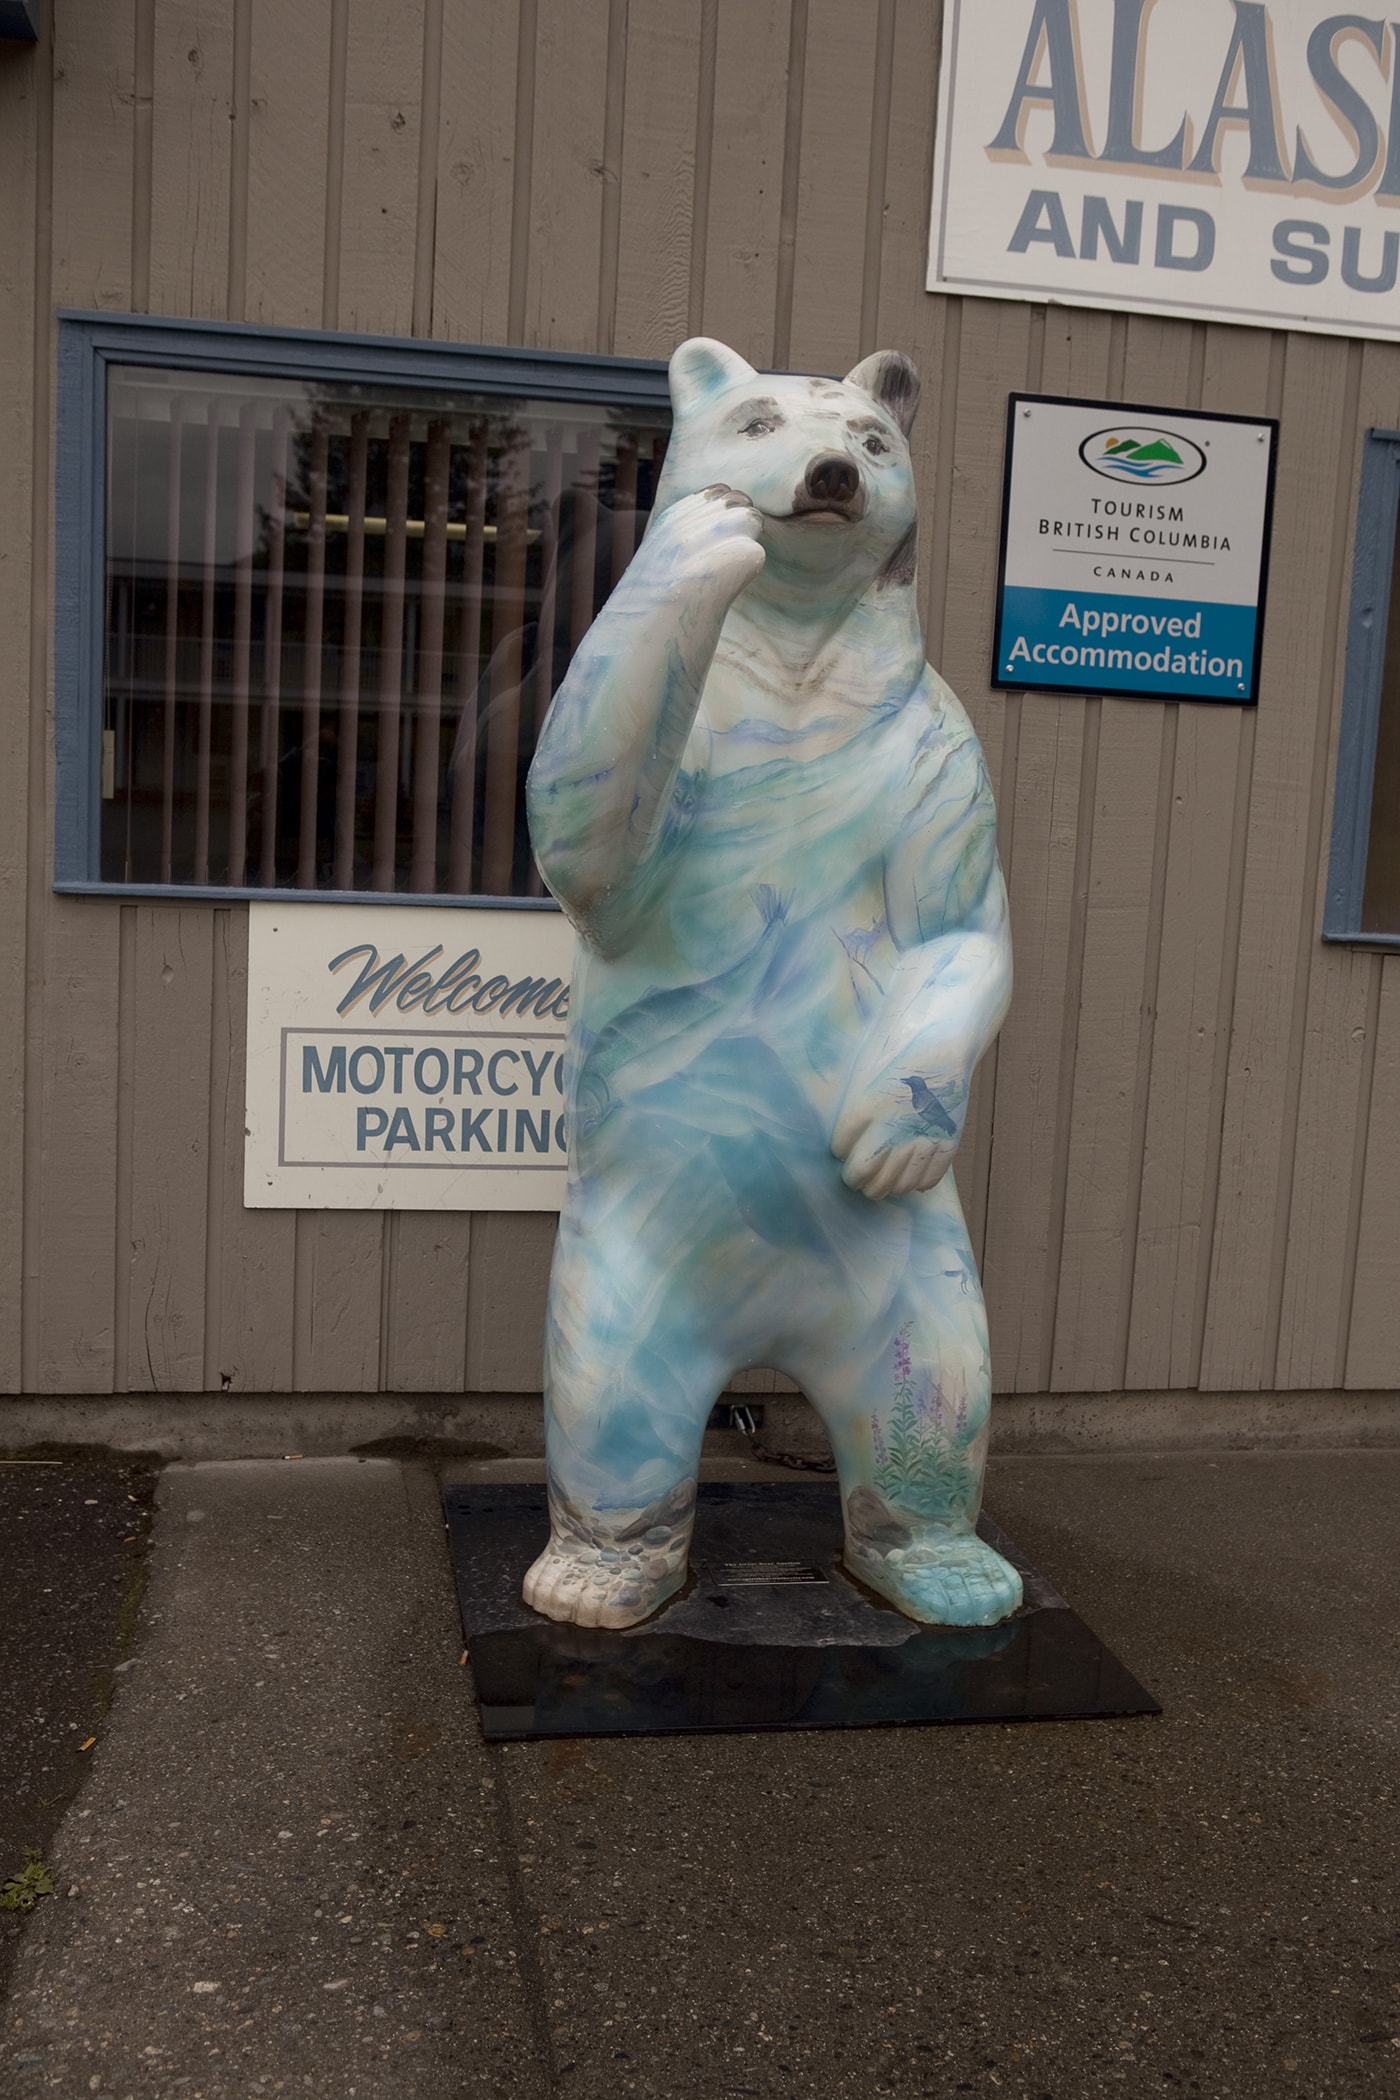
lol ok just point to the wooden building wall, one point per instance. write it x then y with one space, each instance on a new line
1183 1169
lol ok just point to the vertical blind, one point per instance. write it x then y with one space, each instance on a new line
335 617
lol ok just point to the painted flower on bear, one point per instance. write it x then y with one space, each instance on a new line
919 1467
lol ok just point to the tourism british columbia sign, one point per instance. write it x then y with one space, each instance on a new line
406 1058
1235 160
1134 550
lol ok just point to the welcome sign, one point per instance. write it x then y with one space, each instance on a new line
1134 550
404 1058
1235 160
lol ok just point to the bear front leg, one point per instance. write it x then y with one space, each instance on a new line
901 1117
605 768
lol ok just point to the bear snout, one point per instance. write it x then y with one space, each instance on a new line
832 482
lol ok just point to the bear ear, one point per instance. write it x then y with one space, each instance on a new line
702 366
889 378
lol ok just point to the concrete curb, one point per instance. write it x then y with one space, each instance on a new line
200 1426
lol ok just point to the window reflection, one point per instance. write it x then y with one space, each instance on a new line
335 618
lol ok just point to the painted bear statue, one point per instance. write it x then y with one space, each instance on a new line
770 824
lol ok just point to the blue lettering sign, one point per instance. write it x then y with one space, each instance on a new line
329 1076
438 1129
1042 204
525 1124
436 1085
402 1132
1052 35
537 1072
466 1070
1300 265
454 990
366 1128
357 1059
497 1085
474 1129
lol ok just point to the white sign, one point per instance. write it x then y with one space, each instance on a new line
406 1058
1134 550
1234 160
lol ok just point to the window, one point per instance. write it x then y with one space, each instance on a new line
1363 887
322 591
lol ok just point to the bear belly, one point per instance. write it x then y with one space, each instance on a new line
701 1115
777 1004
761 958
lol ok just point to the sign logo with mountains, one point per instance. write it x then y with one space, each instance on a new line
1131 453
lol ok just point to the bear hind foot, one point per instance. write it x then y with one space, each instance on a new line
598 1586
614 1569
952 1580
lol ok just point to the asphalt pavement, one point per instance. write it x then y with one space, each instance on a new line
294 1867
72 1546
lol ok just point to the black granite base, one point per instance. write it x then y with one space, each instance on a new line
769 1633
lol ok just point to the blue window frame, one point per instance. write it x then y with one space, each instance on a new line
1363 883
294 566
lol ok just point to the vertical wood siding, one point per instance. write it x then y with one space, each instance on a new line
1182 1167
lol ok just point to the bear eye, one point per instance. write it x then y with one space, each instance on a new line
875 446
759 426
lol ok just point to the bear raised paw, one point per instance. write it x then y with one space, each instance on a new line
771 825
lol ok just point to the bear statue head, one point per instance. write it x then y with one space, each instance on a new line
825 461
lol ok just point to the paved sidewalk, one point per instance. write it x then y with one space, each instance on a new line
297 1870
72 1546
290 1860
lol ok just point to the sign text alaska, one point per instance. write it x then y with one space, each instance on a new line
406 1059
1233 160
